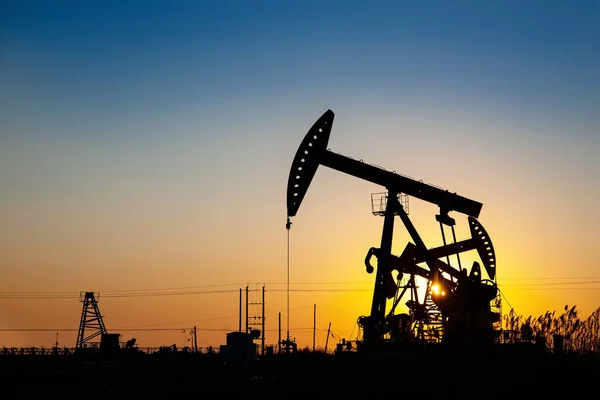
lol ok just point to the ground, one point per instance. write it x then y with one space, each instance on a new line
430 373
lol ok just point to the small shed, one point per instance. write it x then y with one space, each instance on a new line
240 347
110 342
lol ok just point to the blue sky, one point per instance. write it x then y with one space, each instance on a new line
115 61
153 139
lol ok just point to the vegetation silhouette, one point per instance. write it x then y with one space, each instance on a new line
462 309
524 361
550 328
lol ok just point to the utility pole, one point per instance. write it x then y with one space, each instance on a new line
263 321
195 341
240 322
247 308
55 350
327 340
279 341
314 327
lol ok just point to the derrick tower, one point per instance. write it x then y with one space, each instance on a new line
91 325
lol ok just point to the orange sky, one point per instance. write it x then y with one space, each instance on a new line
328 241
138 155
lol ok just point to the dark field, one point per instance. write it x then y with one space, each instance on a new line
499 373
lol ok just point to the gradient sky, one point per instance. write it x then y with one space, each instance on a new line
147 145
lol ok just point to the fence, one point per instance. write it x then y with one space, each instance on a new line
65 351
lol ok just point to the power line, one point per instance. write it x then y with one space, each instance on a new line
112 296
46 297
550 278
322 290
75 330
172 288
14 295
197 320
524 287
117 329
114 293
134 290
138 330
559 288
504 296
158 294
181 322
554 283
76 293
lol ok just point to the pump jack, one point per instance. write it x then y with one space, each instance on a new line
457 307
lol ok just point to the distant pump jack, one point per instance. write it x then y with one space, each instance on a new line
454 299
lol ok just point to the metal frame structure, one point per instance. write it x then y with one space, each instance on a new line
460 296
91 319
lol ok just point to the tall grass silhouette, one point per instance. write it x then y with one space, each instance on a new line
576 334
